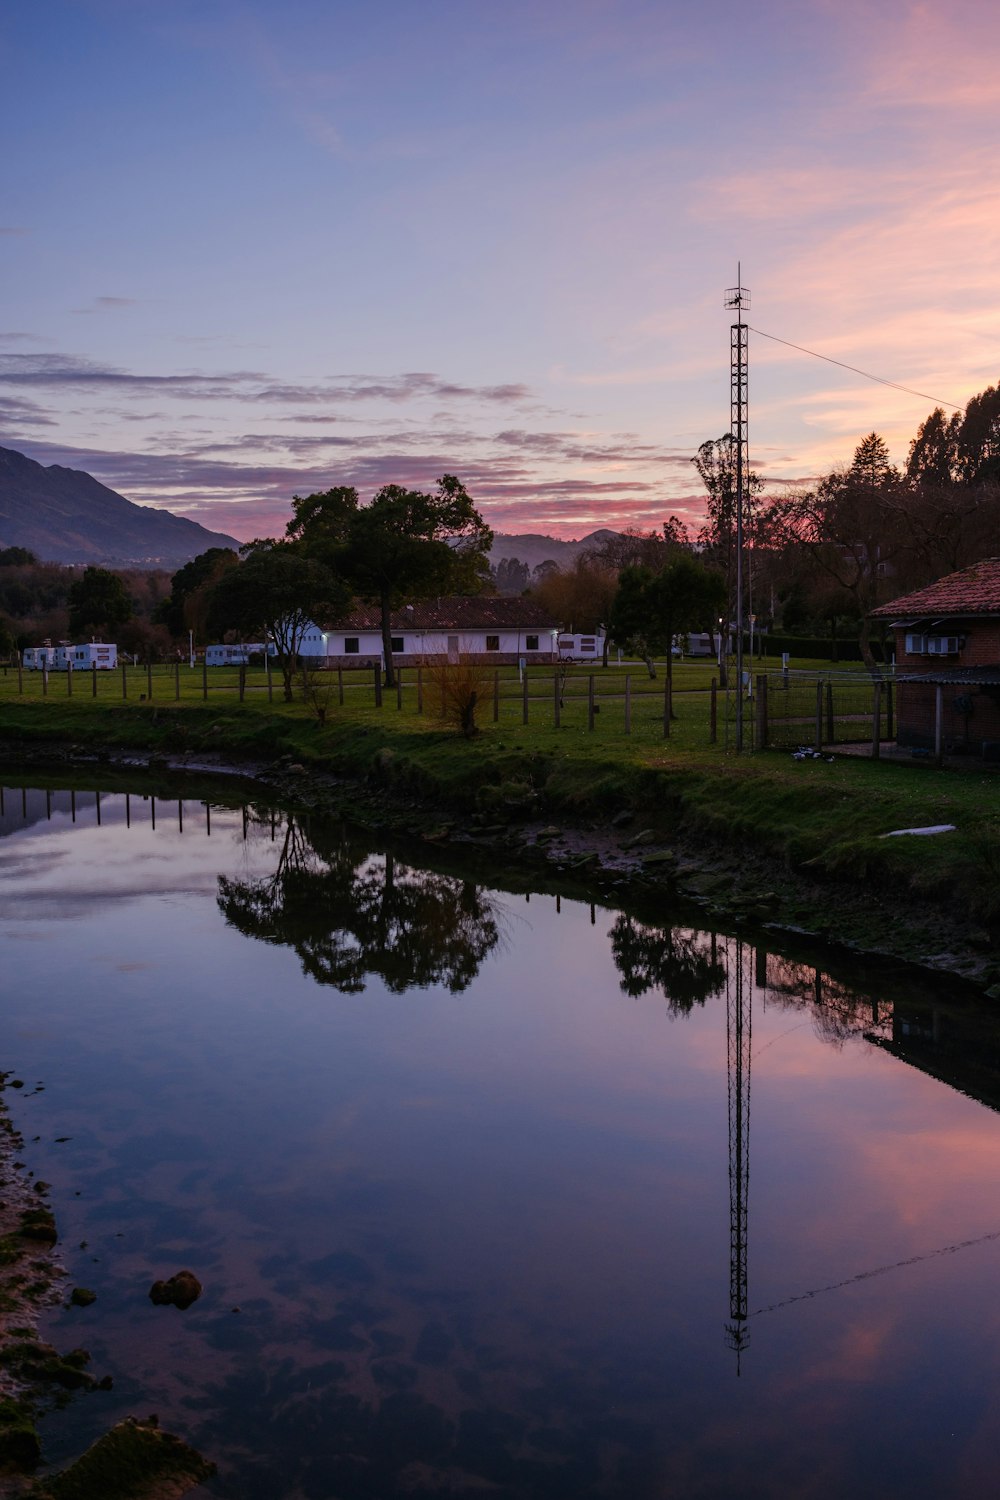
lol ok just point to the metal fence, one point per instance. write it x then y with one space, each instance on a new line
820 710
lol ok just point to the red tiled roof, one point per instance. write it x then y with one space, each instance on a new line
481 612
973 591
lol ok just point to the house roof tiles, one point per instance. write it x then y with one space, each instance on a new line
972 591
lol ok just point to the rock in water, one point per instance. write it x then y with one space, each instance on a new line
180 1291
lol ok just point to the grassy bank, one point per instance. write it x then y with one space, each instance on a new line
796 841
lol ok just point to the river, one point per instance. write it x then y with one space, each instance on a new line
491 1195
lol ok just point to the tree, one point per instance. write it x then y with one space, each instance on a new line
631 623
16 557
511 575
185 606
685 595
276 592
664 959
99 603
716 465
580 597
410 545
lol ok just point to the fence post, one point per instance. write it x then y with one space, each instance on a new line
819 716
524 697
69 679
267 674
420 690
340 685
590 701
177 681
713 713
149 677
243 682
399 689
830 727
45 681
204 679
124 680
20 676
666 707
378 685
889 732
938 725
496 696
556 704
628 704
877 721
762 712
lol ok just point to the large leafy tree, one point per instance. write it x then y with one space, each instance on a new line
185 606
99 603
276 592
716 465
407 544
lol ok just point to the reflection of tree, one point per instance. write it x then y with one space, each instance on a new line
348 915
651 958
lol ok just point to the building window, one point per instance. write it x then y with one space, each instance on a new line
588 643
396 642
531 643
915 645
352 645
493 643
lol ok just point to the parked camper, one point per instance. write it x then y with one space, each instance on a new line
38 658
581 647
232 656
100 654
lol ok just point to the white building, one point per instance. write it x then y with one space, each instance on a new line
506 631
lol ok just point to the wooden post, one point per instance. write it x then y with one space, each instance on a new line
149 677
124 680
399 689
877 721
713 713
628 704
666 707
69 679
270 684
93 680
340 686
890 733
242 682
496 697
420 690
830 729
556 705
177 681
938 724
524 697
762 712
45 681
20 676
204 679
590 701
819 716
378 685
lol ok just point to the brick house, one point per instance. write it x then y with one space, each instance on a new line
505 631
948 662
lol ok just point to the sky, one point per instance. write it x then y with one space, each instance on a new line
252 249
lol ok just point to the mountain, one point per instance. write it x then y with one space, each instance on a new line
532 548
67 516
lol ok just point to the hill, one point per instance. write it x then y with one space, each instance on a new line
67 516
533 548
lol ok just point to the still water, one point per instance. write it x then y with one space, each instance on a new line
490 1196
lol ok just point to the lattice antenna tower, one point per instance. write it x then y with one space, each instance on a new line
738 297
739 1036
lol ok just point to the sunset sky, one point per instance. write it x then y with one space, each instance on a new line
251 249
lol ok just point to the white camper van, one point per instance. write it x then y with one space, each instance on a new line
581 647
232 656
38 658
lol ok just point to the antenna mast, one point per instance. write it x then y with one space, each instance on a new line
738 297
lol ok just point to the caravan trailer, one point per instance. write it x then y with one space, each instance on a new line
38 658
233 656
581 647
99 654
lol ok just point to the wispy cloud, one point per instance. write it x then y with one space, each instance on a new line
104 304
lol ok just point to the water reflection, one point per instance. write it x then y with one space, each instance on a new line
483 1248
349 914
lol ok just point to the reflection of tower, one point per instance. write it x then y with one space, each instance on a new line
739 1027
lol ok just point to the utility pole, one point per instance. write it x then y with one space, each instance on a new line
738 297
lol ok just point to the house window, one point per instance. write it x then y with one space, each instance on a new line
493 643
915 645
943 645
396 642
531 643
352 645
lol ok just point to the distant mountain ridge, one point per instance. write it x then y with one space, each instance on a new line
68 516
533 548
